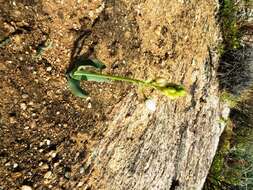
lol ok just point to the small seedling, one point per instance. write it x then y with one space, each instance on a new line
43 47
85 71
5 41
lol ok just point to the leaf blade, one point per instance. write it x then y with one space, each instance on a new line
75 88
90 76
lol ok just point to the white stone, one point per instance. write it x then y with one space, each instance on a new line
15 165
24 96
26 187
150 105
49 69
48 142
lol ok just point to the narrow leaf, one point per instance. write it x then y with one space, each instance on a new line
82 61
74 86
91 76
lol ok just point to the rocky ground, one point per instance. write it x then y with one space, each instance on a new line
46 134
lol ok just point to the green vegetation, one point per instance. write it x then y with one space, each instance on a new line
232 167
86 72
229 25
230 99
5 41
45 45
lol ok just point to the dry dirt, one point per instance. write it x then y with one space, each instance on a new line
46 134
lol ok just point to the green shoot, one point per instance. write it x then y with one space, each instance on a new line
5 41
43 47
82 72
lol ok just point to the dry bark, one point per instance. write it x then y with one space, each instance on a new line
173 147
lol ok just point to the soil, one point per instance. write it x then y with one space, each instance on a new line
46 134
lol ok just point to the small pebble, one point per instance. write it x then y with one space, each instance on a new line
91 14
47 175
41 143
150 105
12 120
26 187
53 154
89 105
48 142
23 106
44 167
30 103
80 184
15 165
81 170
49 69
67 175
24 96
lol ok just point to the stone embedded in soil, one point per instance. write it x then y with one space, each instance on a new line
26 187
80 184
151 105
15 165
23 106
24 96
44 167
52 154
48 175
81 170
49 69
67 175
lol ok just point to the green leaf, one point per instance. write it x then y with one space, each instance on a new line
97 64
90 76
173 91
75 88
74 80
83 61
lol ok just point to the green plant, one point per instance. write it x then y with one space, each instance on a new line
229 25
45 45
86 72
230 99
232 166
5 41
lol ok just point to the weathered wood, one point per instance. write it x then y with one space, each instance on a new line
173 147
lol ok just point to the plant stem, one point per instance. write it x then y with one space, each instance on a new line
116 78
171 90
